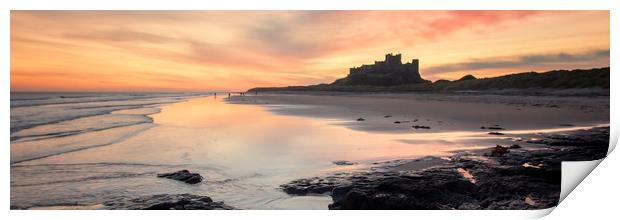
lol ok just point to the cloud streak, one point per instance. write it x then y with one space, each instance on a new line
520 62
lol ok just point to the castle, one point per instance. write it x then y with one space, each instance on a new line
389 72
391 63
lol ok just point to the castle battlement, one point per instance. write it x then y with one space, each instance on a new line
392 63
389 72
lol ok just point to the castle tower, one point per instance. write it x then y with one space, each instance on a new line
392 59
415 63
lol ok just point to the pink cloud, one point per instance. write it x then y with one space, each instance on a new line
459 20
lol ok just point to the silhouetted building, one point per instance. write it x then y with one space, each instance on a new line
389 72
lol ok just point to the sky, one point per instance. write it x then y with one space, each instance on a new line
238 50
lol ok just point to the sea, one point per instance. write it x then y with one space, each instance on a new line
37 118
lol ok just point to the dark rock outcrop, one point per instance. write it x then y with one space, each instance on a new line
514 146
511 179
420 127
344 163
499 151
167 202
183 176
596 136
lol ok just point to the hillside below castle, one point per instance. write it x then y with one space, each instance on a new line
391 75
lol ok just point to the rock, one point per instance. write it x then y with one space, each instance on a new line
387 116
397 122
339 191
420 127
402 191
167 202
343 163
314 185
361 119
469 206
183 176
495 128
482 127
499 150
495 133
592 137
514 146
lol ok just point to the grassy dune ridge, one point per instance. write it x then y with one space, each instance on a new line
597 79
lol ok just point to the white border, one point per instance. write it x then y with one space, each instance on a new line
604 170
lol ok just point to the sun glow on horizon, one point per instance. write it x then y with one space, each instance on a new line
238 50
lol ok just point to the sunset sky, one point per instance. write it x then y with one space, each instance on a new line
238 50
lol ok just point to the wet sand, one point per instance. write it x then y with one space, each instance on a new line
533 127
398 112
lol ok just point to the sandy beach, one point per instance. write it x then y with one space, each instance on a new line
441 112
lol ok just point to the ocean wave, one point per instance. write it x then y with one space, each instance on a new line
95 164
82 125
90 178
40 99
25 117
34 150
35 137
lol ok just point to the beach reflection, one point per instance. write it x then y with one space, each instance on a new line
254 135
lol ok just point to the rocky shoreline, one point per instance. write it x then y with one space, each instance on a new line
167 202
502 177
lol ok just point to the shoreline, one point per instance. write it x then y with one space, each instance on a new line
144 111
508 177
502 177
440 138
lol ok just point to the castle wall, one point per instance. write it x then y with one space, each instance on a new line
392 64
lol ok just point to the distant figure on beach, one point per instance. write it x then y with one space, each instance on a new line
256 92
215 95
229 95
